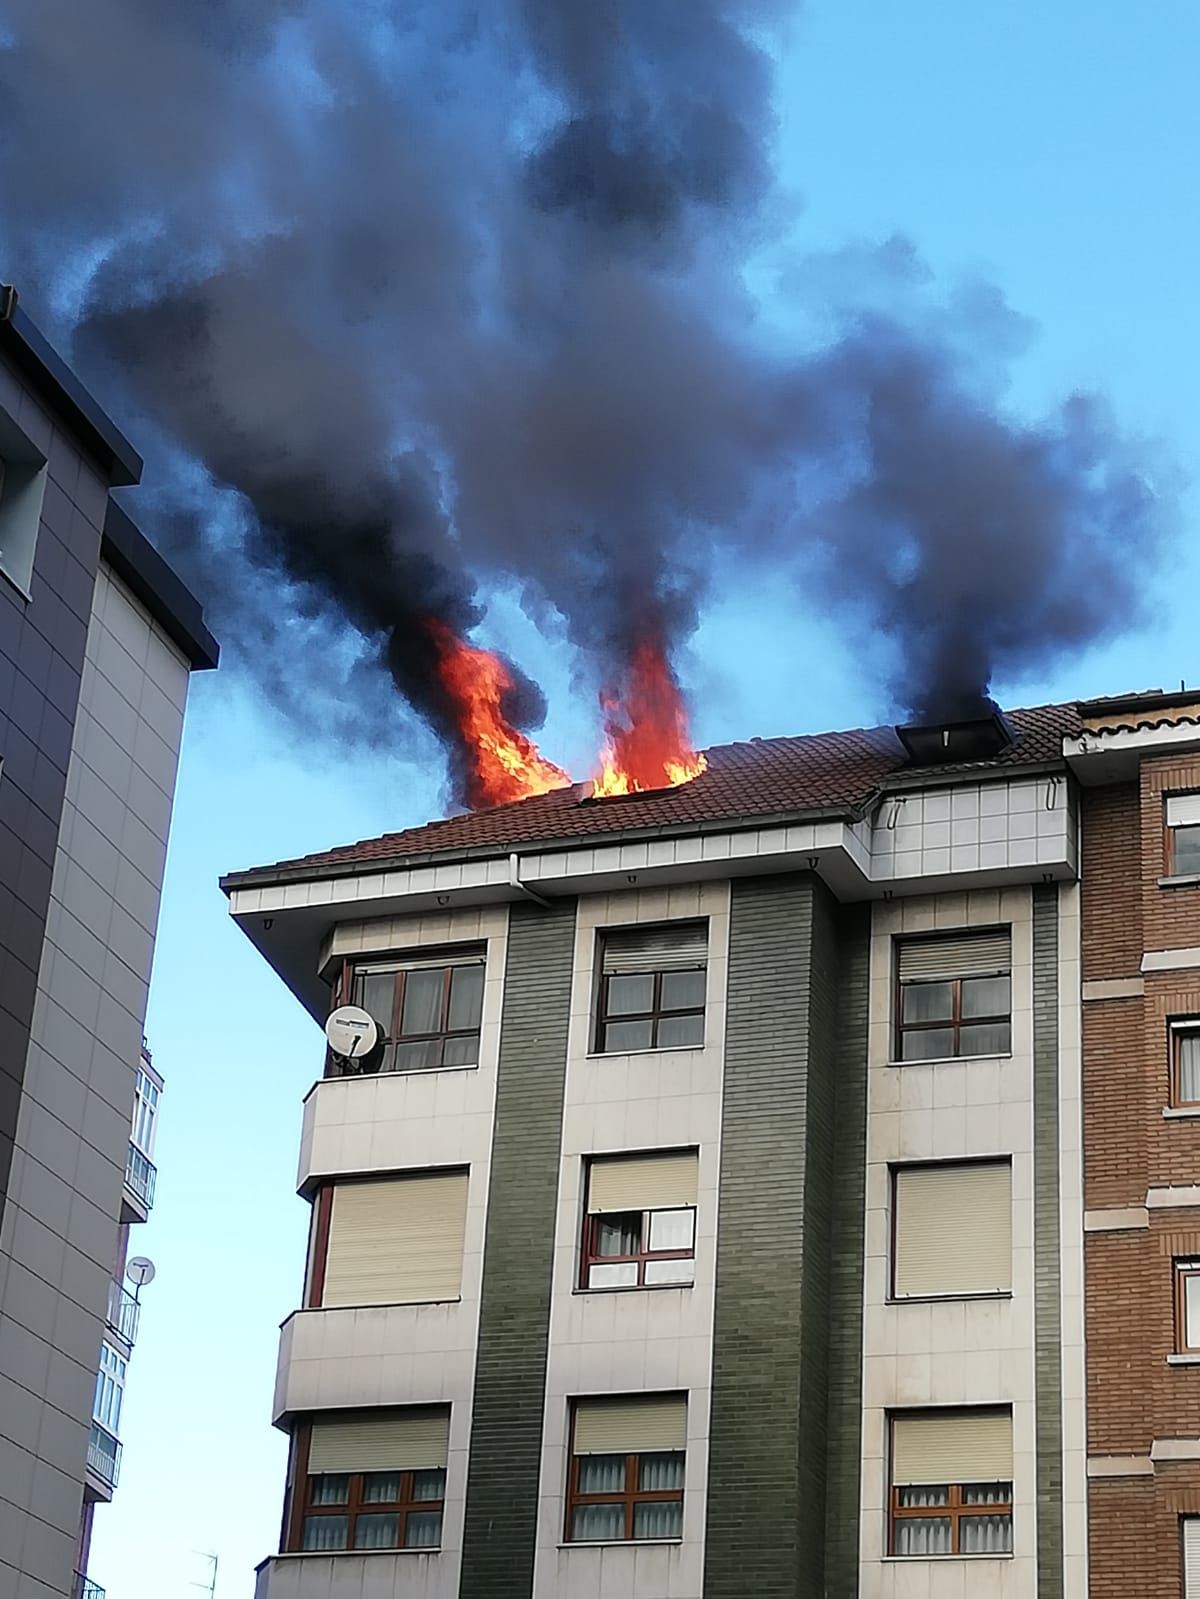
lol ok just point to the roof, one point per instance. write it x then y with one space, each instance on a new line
824 773
164 594
32 354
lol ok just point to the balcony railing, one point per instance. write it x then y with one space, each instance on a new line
85 1588
140 1174
123 1312
104 1455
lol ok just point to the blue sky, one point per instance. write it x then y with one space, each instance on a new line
1049 150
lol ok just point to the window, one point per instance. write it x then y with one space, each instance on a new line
22 489
954 996
1183 835
1189 1529
110 1389
652 986
952 1229
639 1230
1187 1307
951 1487
627 1469
428 1010
371 1480
393 1242
1185 1062
145 1112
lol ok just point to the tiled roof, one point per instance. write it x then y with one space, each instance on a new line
765 777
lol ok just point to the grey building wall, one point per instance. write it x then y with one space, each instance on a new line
59 1231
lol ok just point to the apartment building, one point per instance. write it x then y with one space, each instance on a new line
703 1214
98 639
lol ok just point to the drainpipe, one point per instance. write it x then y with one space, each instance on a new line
514 881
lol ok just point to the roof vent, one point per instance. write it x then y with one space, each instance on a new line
945 743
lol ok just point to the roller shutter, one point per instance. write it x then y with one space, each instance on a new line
1191 1557
398 1241
629 1426
957 1446
676 946
642 1182
1183 810
953 1229
416 1439
955 955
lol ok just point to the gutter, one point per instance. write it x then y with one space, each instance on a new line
514 881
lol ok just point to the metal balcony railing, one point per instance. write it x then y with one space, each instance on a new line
140 1174
85 1588
123 1312
104 1455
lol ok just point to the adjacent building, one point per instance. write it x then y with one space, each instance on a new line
98 639
784 1185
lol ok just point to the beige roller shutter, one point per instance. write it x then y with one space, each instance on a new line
381 1440
1191 1557
1183 810
672 947
953 1229
952 1447
955 955
396 1242
627 1426
643 1182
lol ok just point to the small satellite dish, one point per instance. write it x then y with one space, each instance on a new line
139 1270
352 1032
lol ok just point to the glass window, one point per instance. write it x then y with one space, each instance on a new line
639 1249
651 1010
429 1015
621 1498
1185 1063
937 1519
371 1510
145 1112
110 1389
1187 1307
947 1018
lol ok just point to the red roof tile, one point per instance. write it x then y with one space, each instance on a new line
766 777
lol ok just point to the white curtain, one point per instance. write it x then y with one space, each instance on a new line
377 1532
1189 1067
323 1532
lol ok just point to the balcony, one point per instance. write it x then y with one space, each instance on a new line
103 1456
85 1588
140 1175
123 1313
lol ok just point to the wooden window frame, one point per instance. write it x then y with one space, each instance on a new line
1178 1029
1181 1270
954 1511
629 1497
588 1258
955 1021
322 1220
655 1015
344 991
301 1507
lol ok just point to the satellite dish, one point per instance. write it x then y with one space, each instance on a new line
139 1270
352 1032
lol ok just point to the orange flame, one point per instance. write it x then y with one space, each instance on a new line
504 764
647 740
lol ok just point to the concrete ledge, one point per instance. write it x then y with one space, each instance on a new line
1172 1198
1113 988
1180 1112
1120 1466
1115 1221
1175 1449
1171 960
1183 1360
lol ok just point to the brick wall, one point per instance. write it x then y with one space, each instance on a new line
1171 916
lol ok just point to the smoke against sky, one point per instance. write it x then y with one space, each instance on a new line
450 294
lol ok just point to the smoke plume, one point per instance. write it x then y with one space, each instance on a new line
440 294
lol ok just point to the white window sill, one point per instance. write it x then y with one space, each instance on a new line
658 1049
1179 1113
1184 880
953 1060
948 1299
1183 1360
622 1543
341 1554
636 1288
941 1560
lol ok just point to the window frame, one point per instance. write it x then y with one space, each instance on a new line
629 1497
1183 1267
108 1396
655 1015
1169 832
400 968
300 1507
955 1512
1179 1028
588 1258
956 1021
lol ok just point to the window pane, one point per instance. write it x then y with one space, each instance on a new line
617 1235
422 1011
429 1485
683 990
590 1522
1191 1309
985 1038
679 1032
381 1487
657 1473
927 1043
627 996
323 1532
423 1529
1187 851
927 1002
328 1490
985 1535
917 1536
672 1229
374 992
919 1498
986 996
1188 1045
601 1474
627 1035
623 1276
669 1273
658 1519
461 1051
466 996
987 1493
377 1532
418 1057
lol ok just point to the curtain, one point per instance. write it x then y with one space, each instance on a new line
381 1487
657 1473
329 1489
1189 1067
658 1518
429 1485
601 1474
323 1532
921 1537
423 1529
986 1535
377 1532
591 1522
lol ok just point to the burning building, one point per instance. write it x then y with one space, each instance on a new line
736 1188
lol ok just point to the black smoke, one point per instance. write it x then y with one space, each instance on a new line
436 295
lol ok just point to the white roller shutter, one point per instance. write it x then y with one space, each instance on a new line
952 1447
380 1440
642 1182
629 1426
953 1229
955 955
1191 1557
1183 810
674 946
396 1242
